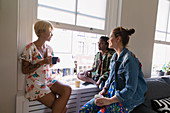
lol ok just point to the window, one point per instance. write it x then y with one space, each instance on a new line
161 54
79 46
89 14
80 27
73 46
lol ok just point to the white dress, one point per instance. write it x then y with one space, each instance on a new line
39 82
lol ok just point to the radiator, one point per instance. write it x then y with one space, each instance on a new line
79 96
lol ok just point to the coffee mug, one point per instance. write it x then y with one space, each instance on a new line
98 96
54 60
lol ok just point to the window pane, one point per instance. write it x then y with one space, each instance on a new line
56 16
81 47
95 12
64 11
168 38
167 53
61 41
161 56
158 57
60 4
75 50
161 53
92 48
160 36
90 22
92 7
85 43
162 15
169 22
57 10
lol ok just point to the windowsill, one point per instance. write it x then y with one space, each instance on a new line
70 80
157 76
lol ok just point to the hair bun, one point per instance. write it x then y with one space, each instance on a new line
131 31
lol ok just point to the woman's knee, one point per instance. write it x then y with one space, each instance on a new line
90 107
79 75
67 90
48 99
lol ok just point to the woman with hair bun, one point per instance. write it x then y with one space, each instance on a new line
125 88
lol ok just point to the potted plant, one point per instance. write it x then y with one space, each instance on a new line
160 73
167 69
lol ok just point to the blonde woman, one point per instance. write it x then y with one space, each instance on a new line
36 62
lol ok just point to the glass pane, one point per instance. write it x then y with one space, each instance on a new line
61 41
92 48
167 53
94 15
161 56
74 42
158 57
168 38
78 43
92 7
64 11
84 43
162 15
56 16
75 49
169 22
160 36
57 10
90 22
59 4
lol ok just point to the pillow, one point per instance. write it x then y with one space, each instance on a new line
161 105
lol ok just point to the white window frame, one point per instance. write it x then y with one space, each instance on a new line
160 41
27 11
109 8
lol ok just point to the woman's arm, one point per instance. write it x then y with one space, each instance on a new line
131 73
106 101
58 60
104 90
27 67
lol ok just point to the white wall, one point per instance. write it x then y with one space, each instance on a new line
141 15
8 55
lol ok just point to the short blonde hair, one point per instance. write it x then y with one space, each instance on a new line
42 25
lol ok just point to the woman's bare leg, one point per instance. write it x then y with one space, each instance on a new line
64 92
48 99
65 109
58 105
